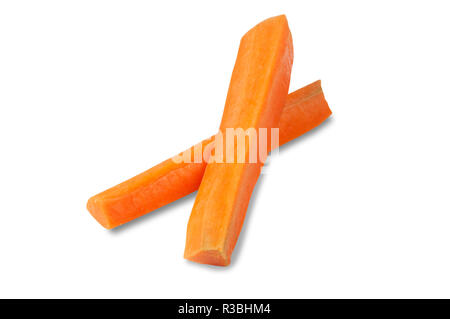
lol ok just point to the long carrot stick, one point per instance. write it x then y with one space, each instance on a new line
256 96
168 181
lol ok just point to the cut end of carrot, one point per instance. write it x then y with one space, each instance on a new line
210 257
95 207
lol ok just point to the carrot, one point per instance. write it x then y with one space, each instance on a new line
168 181
256 96
305 109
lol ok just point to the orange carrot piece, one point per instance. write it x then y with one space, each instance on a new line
256 96
168 181
305 109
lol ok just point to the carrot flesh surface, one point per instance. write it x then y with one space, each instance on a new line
304 110
168 181
256 96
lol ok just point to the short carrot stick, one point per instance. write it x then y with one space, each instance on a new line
168 181
256 96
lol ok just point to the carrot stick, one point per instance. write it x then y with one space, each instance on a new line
168 181
256 96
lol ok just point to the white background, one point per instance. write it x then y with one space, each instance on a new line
94 92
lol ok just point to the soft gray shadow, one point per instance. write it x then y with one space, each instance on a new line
162 210
251 207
